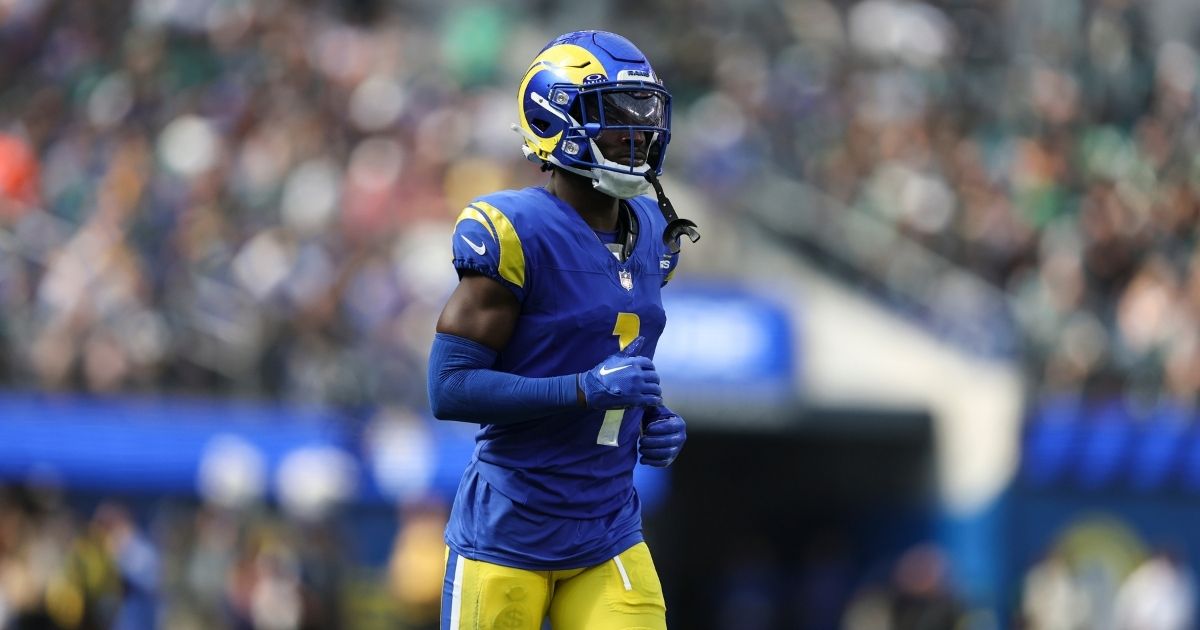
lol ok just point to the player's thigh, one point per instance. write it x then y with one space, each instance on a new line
478 595
621 594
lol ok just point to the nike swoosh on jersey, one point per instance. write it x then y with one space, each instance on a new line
606 371
479 249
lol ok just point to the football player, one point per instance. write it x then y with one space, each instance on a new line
547 343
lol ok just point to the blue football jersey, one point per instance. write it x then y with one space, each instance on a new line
556 492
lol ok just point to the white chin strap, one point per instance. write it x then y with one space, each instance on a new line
620 185
611 183
615 184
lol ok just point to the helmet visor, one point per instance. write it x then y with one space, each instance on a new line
636 108
619 127
642 109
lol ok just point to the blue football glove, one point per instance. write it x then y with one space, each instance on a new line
663 435
622 380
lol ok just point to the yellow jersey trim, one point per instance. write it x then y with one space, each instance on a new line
475 214
512 256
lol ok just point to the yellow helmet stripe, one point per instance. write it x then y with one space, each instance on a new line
512 257
571 64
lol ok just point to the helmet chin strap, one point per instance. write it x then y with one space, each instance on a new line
611 183
619 185
615 183
676 227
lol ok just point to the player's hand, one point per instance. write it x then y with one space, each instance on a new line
663 436
622 380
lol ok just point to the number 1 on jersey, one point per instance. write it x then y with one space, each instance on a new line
628 327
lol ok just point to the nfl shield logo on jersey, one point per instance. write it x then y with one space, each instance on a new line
626 280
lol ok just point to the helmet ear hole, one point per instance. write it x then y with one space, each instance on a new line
540 124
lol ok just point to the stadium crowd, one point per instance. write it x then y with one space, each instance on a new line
230 197
1049 148
195 566
236 197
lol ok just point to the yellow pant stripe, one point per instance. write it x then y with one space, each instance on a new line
624 575
456 597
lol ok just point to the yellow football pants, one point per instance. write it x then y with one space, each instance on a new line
621 594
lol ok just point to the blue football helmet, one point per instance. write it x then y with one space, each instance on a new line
586 83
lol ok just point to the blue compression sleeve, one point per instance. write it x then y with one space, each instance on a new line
463 387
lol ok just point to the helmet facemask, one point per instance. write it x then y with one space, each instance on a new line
624 133
633 109
580 90
584 88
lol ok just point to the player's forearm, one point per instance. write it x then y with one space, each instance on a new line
463 387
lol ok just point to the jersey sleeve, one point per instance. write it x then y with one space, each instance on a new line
486 242
669 263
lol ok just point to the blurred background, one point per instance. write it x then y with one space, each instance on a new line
941 337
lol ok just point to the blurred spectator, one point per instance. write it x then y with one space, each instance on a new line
417 564
924 598
1160 594
19 179
1051 598
918 595
136 563
1100 574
